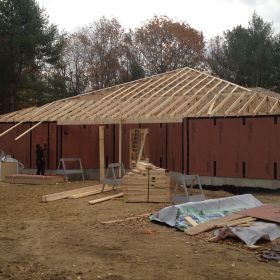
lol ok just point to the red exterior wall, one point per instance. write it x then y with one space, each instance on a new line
241 147
19 149
224 147
157 143
174 147
81 141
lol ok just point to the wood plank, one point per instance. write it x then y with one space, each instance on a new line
92 202
267 212
33 179
66 194
88 193
212 224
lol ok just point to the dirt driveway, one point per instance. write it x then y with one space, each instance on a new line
65 240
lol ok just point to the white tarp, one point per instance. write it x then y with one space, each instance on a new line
206 210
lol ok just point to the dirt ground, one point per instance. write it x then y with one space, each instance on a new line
65 240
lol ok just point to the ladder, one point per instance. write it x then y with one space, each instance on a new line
138 138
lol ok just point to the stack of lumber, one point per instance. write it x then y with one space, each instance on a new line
146 183
33 179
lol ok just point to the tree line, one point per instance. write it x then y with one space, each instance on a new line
39 64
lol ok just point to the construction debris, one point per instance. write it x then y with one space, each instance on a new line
232 215
146 183
126 219
273 254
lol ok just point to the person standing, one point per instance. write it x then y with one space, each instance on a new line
40 159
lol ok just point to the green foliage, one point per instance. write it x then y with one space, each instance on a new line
247 56
29 45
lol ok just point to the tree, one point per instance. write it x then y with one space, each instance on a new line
76 60
105 53
246 56
167 45
28 46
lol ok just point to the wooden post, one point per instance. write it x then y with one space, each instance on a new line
101 154
120 147
120 141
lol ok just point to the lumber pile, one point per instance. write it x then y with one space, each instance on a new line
33 179
146 183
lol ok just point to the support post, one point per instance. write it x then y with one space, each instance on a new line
101 154
120 141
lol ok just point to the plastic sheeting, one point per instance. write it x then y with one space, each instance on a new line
206 210
203 211
250 235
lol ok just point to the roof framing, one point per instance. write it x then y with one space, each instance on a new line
168 97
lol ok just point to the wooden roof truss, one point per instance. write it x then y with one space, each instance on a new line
168 97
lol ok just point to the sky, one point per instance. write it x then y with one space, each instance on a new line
212 17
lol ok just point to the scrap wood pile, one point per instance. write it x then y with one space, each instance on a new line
146 183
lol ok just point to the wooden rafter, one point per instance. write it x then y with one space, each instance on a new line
168 97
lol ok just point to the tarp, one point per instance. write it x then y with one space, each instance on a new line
250 235
206 210
203 211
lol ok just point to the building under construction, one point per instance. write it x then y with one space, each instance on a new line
184 120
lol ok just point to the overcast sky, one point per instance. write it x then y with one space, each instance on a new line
211 17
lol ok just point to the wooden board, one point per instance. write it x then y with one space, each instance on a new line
267 212
212 224
92 202
66 194
34 179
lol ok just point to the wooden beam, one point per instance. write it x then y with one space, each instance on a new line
28 130
120 141
234 104
101 154
155 104
195 105
221 104
167 82
211 103
194 96
252 97
260 105
11 128
212 224
92 202
274 106
66 194
91 192
103 107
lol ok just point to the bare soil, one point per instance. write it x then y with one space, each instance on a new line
65 240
